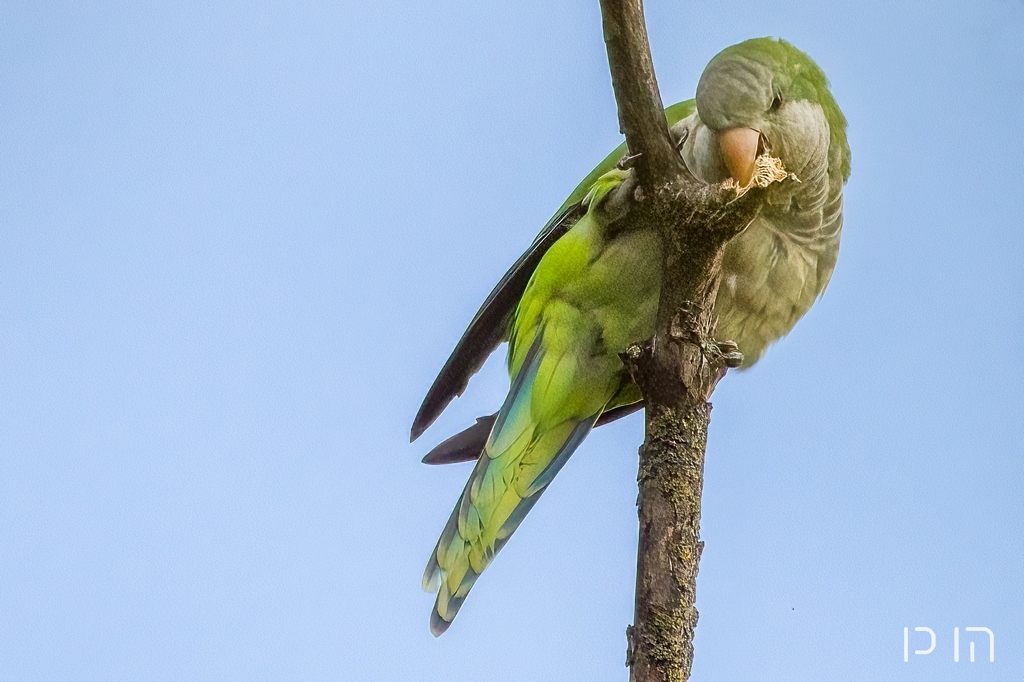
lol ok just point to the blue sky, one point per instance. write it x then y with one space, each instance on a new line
237 241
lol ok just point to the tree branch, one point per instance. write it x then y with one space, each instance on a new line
641 113
678 369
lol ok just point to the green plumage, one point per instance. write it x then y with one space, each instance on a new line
595 290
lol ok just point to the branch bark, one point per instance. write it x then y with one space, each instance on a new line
636 90
678 369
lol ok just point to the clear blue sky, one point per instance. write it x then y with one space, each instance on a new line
237 241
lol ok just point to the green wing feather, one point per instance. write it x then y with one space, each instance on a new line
486 330
576 315
490 325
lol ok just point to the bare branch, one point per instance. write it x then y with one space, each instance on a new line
678 369
641 112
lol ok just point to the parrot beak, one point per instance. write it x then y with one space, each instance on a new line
739 151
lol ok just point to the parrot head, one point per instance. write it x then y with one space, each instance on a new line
764 95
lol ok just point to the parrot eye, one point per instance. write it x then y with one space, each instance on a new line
776 103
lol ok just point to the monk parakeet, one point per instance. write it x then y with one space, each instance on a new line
588 287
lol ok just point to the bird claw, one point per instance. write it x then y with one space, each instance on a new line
627 161
726 352
730 353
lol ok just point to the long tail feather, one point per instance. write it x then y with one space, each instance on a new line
519 460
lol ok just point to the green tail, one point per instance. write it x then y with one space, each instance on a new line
520 459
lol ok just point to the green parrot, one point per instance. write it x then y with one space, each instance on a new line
588 287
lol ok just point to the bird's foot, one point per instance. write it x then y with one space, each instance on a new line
729 353
726 353
628 161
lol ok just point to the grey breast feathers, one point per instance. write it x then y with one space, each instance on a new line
775 270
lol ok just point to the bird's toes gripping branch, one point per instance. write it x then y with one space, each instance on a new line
729 352
684 329
717 356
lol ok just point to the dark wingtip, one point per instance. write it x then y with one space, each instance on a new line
432 406
446 388
418 426
465 446
490 323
